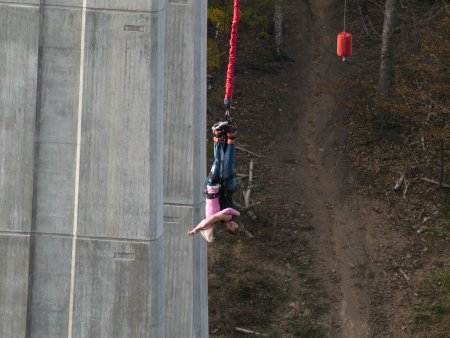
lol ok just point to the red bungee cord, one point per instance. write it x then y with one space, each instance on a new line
232 57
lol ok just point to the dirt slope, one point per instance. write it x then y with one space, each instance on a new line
308 269
320 179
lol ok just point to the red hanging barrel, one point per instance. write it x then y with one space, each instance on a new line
344 44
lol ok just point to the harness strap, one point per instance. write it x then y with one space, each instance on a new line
211 196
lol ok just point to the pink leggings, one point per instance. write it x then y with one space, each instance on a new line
212 204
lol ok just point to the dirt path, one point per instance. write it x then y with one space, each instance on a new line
310 270
329 256
319 180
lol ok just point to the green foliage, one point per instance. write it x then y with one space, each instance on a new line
422 93
217 3
214 55
248 293
419 100
305 329
218 17
258 292
254 16
435 308
420 96
442 229
442 279
446 211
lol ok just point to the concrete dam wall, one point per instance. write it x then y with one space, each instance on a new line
102 162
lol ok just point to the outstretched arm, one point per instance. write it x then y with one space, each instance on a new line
209 222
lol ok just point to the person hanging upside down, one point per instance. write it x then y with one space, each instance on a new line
222 168
220 184
224 216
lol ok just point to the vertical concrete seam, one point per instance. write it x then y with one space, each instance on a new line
77 173
31 256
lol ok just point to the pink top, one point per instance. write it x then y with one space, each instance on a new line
228 211
207 222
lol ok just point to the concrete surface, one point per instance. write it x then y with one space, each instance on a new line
98 98
18 81
185 168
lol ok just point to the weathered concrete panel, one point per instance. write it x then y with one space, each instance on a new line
121 167
134 5
18 83
200 289
128 5
185 168
59 79
14 267
60 74
119 289
55 188
185 102
118 285
185 274
22 2
49 308
75 3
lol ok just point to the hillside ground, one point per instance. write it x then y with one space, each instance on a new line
333 254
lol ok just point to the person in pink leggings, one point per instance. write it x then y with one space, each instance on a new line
220 184
224 216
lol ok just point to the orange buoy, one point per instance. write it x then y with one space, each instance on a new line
344 45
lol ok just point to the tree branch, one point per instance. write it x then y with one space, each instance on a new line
248 151
446 186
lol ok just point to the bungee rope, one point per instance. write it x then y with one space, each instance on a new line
228 100
345 9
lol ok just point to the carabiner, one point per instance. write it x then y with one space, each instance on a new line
228 115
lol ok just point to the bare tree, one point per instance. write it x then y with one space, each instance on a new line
386 74
278 26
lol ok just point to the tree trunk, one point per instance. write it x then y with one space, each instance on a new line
278 27
386 74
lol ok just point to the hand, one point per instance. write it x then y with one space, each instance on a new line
192 232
